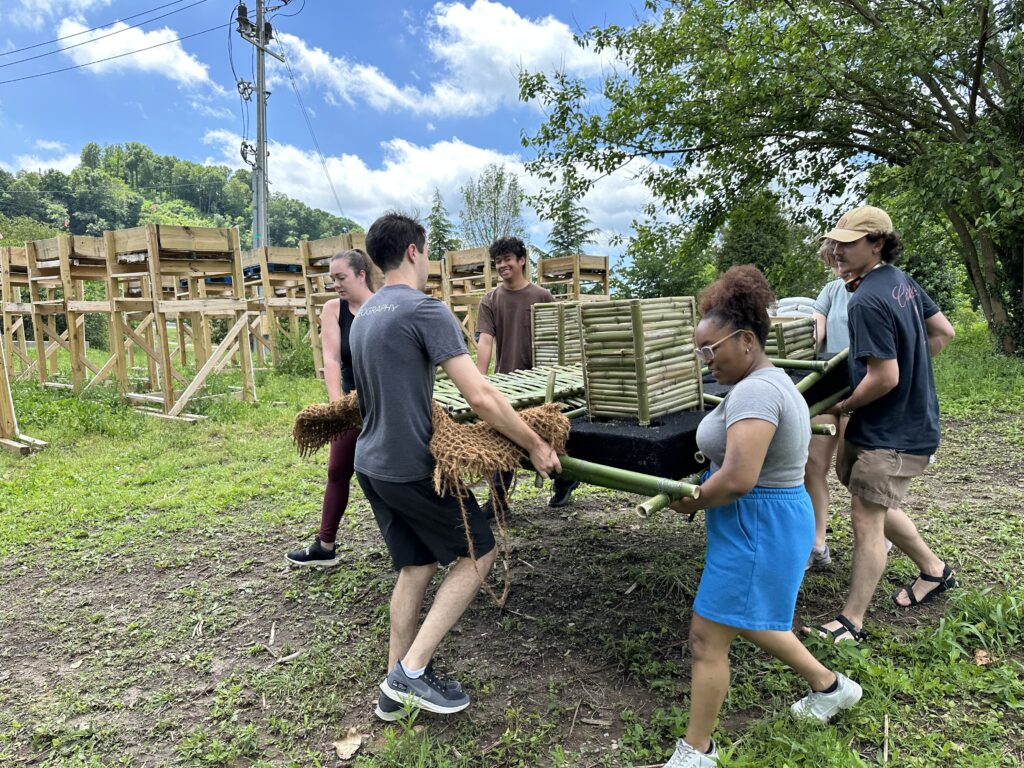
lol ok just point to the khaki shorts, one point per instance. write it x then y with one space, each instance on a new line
881 476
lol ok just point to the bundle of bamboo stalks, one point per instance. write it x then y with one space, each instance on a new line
792 338
556 333
638 358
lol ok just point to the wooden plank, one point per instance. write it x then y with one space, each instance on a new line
128 240
207 369
15 447
193 239
88 247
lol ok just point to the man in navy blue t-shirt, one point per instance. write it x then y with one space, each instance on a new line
893 433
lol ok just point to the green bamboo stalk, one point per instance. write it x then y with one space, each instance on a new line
824 429
712 399
820 407
616 479
798 365
809 381
641 366
653 504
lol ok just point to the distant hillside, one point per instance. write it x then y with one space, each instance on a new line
118 186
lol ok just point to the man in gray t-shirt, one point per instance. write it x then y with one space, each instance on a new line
397 340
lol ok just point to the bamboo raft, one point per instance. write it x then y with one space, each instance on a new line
638 358
522 389
792 338
556 334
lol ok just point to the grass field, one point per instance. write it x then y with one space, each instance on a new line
149 618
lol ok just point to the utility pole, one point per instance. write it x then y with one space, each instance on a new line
259 34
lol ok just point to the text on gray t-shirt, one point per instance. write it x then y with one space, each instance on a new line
769 395
398 339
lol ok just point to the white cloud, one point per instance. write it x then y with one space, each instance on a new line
65 163
34 14
49 146
479 49
220 113
408 175
171 60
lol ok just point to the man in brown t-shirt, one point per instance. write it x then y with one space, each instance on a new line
504 321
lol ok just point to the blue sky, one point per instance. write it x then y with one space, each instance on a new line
403 96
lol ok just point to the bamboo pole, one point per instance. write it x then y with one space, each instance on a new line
625 480
654 504
810 380
820 407
824 429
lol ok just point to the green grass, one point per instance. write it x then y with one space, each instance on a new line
143 574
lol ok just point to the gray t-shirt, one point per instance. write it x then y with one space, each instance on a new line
769 395
398 339
831 303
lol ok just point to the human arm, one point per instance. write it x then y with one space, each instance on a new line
746 445
330 339
881 378
491 406
484 349
819 329
940 333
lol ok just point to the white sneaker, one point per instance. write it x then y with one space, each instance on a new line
686 756
825 706
819 560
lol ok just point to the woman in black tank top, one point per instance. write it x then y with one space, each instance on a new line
352 279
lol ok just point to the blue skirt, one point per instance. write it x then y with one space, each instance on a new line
756 557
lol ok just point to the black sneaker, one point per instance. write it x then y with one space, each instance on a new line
314 555
563 492
426 692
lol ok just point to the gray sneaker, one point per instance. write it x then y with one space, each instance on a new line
426 692
389 711
686 756
825 706
819 560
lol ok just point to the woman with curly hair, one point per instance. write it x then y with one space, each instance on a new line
760 522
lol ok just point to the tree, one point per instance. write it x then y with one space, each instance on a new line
492 207
91 155
571 228
663 259
728 97
440 230
759 232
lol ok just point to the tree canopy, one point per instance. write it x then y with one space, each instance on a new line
119 186
492 207
728 98
571 227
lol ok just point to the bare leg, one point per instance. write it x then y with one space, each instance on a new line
709 645
457 591
819 461
406 603
904 534
869 558
787 648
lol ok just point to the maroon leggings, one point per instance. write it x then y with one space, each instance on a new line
339 473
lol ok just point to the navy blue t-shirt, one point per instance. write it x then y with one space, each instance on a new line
886 316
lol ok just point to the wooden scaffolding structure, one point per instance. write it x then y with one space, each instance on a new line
10 436
575 278
15 306
276 289
144 268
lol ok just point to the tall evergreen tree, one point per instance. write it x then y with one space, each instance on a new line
571 227
440 230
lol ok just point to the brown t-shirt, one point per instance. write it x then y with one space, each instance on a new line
505 315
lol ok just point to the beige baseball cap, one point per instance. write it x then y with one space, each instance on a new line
866 220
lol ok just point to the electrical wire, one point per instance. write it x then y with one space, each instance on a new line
101 37
86 31
110 58
312 133
289 15
243 104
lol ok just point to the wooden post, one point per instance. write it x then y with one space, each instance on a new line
245 352
116 319
159 318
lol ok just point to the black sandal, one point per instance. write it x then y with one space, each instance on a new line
846 628
946 581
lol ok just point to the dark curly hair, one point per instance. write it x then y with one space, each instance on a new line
504 245
358 262
739 299
891 248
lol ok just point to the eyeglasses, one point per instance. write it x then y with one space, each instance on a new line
707 354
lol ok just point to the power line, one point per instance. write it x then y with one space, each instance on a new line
111 58
85 31
312 134
101 37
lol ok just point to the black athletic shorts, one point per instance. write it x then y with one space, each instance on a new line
420 527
